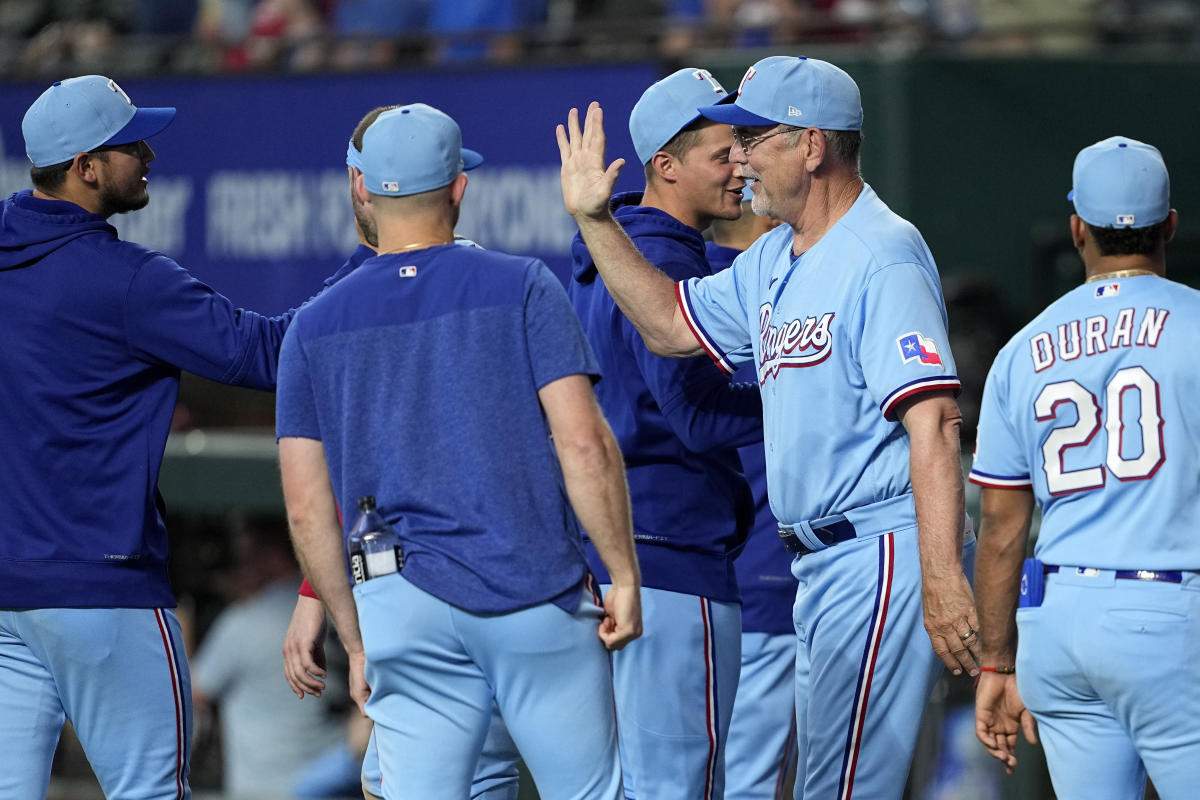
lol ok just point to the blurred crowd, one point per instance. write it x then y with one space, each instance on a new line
51 37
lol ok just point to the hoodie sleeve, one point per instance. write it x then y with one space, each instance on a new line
172 318
704 409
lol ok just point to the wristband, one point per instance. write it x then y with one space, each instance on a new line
1000 670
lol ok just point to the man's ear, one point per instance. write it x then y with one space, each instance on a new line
665 166
813 148
458 188
359 187
1172 224
1078 231
83 166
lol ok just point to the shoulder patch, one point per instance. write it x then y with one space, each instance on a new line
916 347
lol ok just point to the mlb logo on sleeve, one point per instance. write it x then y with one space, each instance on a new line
913 346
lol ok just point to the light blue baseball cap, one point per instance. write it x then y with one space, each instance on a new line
81 114
669 106
413 149
1120 183
353 157
793 90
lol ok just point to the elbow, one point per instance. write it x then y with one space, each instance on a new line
591 451
662 346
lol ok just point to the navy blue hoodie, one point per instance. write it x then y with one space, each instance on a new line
94 334
763 567
678 421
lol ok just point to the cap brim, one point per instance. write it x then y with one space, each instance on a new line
1071 196
733 114
471 159
146 122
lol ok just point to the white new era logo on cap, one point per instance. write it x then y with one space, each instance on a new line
794 112
1124 219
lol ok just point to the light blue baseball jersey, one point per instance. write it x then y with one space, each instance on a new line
840 335
1092 405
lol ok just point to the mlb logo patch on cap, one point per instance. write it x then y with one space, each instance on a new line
390 186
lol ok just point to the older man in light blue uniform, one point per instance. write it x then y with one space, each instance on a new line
1088 411
843 317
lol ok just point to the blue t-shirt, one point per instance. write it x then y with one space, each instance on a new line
419 373
839 335
1092 406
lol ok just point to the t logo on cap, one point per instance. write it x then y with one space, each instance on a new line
113 85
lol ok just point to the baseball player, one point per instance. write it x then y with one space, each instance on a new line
678 423
1087 413
842 314
760 752
497 776
96 333
494 604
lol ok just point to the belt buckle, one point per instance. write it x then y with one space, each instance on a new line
791 542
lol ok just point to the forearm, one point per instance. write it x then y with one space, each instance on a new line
318 544
316 532
594 476
712 413
1003 533
937 483
645 294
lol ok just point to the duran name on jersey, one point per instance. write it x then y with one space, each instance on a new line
1092 336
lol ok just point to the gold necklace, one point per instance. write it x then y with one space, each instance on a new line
1120 273
413 246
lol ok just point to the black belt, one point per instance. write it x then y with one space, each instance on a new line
1160 575
832 532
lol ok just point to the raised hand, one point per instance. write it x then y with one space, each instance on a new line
587 183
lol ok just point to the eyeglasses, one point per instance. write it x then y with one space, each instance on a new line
748 143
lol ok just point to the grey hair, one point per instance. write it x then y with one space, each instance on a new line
845 145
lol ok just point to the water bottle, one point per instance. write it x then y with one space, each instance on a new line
379 551
354 546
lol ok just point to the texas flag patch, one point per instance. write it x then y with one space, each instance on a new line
914 346
1108 290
